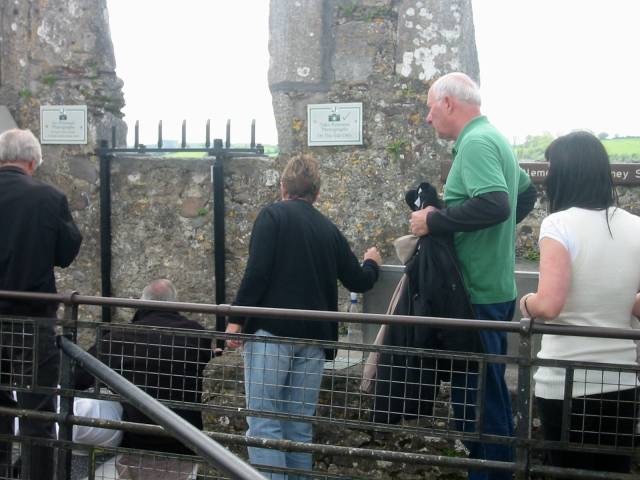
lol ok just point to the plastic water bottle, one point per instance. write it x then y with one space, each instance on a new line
354 331
354 306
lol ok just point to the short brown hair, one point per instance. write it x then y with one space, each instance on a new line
301 177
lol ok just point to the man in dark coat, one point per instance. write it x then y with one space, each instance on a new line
166 365
37 233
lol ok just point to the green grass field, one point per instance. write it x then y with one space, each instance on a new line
269 150
627 146
620 150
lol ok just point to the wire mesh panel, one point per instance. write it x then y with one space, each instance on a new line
131 464
287 377
165 363
592 424
19 355
28 376
604 407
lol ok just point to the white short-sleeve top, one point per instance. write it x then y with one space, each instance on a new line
605 277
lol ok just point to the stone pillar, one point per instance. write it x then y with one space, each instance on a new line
384 54
59 52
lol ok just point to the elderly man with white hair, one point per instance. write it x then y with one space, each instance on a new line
37 233
486 194
164 362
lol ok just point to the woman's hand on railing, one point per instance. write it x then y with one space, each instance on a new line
524 308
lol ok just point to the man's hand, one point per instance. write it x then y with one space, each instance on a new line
418 221
233 328
373 254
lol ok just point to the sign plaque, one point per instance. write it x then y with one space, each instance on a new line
63 124
334 124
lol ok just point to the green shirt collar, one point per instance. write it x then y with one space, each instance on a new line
481 119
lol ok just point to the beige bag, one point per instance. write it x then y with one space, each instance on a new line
405 248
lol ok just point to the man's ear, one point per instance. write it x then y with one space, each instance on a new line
448 103
31 166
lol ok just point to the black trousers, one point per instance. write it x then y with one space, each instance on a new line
602 419
17 342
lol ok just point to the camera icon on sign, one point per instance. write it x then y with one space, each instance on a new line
334 117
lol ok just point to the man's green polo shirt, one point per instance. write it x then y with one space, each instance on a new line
483 162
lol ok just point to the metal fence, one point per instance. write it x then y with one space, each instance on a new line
427 396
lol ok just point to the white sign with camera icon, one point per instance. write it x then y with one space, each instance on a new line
63 124
334 124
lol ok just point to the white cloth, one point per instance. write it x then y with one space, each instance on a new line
605 276
94 408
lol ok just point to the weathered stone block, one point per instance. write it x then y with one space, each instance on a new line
435 37
354 54
296 42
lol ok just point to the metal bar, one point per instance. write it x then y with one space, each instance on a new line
213 452
258 151
207 142
480 396
579 474
566 405
287 445
92 464
184 134
105 231
136 138
227 142
160 134
253 134
219 236
113 137
66 400
316 315
523 401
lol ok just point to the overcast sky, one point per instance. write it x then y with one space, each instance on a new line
545 65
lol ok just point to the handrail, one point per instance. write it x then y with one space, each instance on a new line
189 435
317 315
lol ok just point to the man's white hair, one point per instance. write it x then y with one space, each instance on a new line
457 85
161 290
20 146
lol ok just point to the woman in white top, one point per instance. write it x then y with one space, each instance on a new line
589 276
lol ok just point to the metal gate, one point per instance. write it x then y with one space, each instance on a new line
220 150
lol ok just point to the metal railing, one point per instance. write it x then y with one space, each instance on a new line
343 405
170 421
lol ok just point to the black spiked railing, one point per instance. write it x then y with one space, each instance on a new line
219 150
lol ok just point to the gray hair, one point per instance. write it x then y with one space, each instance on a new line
161 290
457 85
20 146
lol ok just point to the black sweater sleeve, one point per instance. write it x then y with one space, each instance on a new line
476 213
526 201
481 212
355 277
